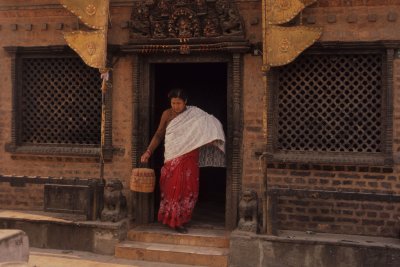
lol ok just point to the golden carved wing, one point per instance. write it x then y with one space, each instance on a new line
90 46
308 2
281 11
94 13
284 44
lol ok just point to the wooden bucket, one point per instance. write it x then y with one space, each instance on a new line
143 180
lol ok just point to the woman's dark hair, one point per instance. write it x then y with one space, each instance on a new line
178 93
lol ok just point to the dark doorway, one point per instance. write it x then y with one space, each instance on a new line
206 85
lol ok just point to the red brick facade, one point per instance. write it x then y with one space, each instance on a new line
343 21
28 197
41 23
360 21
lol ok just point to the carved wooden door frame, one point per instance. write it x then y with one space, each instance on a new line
143 203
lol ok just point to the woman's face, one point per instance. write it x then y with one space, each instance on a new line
178 104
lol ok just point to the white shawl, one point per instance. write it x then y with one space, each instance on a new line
195 128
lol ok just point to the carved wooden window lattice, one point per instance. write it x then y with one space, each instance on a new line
332 106
61 102
331 103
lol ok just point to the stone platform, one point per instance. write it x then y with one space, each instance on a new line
65 231
14 246
67 258
309 249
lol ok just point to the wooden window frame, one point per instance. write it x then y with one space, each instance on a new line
383 158
15 147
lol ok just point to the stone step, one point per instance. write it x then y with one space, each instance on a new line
196 237
171 253
64 258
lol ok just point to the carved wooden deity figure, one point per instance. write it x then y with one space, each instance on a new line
159 30
164 8
248 211
184 19
201 7
140 21
210 28
115 207
231 23
184 26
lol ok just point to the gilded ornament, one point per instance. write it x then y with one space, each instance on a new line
94 15
91 48
90 9
282 4
184 49
282 11
285 44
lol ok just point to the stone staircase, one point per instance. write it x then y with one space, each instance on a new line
156 243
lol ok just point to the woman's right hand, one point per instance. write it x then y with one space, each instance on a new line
145 157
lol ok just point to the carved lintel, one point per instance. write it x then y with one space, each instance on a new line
162 19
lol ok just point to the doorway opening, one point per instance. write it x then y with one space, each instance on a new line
206 85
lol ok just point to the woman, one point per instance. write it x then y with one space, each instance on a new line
193 139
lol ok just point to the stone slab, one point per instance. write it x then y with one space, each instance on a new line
294 248
14 264
63 258
14 246
47 230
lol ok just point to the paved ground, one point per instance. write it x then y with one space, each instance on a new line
68 258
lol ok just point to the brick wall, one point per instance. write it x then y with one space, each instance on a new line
343 21
22 24
338 216
329 215
27 197
347 217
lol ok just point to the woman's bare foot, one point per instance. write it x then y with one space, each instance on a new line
181 229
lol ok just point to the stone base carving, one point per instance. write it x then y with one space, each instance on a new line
115 207
248 211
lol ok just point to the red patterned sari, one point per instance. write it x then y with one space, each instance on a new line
179 184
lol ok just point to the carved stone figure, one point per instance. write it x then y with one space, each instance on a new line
248 211
115 207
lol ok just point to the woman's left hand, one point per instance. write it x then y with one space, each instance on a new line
145 157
